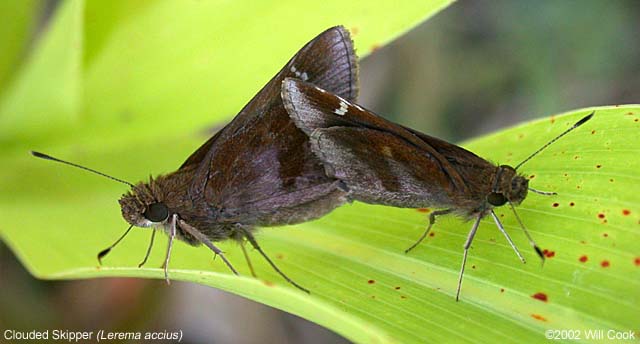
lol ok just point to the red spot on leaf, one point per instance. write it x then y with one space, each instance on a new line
502 290
605 264
571 204
268 283
371 281
637 261
397 288
549 254
583 259
538 317
598 166
626 212
540 296
279 256
403 297
601 216
423 210
606 235
432 233
593 132
532 176
555 205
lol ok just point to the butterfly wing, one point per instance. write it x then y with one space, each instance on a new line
260 162
381 168
380 161
474 170
328 60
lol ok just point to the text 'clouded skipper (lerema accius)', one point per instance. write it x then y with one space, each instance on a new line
258 170
385 163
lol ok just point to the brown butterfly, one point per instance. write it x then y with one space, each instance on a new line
385 163
257 171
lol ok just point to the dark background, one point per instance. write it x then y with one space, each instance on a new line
473 68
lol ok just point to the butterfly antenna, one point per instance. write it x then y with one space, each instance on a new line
578 123
545 193
526 232
49 157
106 251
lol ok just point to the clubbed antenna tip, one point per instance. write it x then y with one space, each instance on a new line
584 119
49 157
578 123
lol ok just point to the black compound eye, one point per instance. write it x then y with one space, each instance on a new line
496 199
156 212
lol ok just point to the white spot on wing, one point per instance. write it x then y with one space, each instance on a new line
344 107
304 76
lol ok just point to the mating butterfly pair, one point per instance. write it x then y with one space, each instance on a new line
299 149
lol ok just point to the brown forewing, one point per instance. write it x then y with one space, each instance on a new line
380 167
452 175
260 161
311 108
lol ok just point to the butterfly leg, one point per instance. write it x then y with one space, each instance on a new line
432 220
172 235
254 243
146 256
203 239
467 244
506 235
246 257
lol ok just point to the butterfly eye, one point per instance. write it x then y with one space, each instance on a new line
156 212
496 199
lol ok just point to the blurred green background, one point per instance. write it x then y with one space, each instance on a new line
473 68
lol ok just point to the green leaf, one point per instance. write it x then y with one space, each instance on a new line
134 63
154 65
17 17
45 97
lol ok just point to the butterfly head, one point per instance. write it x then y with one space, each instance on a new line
508 186
142 207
